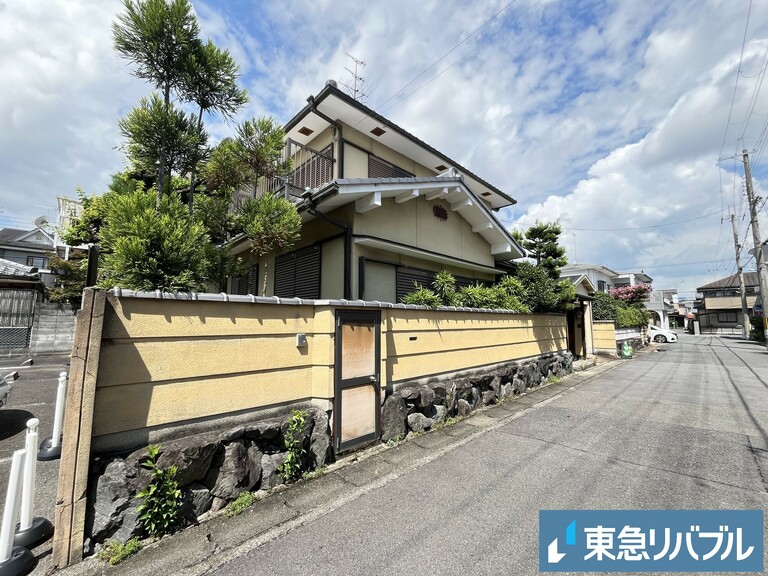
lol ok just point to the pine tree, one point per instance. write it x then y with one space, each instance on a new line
158 36
541 242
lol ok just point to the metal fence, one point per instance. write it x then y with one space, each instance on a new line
309 169
17 312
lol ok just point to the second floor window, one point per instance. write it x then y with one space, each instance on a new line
37 261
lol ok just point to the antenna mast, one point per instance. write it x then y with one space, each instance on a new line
355 86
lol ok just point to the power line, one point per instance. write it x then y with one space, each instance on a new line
444 56
523 13
738 74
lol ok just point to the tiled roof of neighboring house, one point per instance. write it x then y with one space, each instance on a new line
598 267
572 278
750 279
8 268
8 237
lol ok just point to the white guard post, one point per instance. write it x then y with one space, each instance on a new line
14 560
32 530
50 448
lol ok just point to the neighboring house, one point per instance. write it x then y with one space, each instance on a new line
631 279
601 277
720 303
665 308
662 304
28 248
20 290
380 210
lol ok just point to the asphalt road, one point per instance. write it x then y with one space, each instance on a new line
683 428
33 396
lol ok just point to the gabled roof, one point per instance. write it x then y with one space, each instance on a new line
15 238
367 194
584 286
576 267
334 105
750 279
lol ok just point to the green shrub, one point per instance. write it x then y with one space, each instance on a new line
503 296
604 307
756 332
115 552
295 463
444 287
422 297
149 248
160 509
631 317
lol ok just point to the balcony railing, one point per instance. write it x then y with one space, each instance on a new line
309 168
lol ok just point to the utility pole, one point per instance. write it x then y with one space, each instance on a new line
757 238
744 311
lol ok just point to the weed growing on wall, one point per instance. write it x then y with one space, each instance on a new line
240 504
295 462
160 509
115 552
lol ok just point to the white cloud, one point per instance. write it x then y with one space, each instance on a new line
63 91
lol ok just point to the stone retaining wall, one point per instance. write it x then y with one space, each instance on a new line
418 406
212 470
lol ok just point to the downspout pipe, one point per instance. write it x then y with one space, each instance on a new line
312 209
335 124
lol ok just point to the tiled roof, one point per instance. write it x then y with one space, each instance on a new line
9 268
750 279
8 238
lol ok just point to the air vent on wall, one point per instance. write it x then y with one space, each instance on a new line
377 131
485 194
306 131
441 168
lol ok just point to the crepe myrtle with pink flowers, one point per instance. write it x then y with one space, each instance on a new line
632 294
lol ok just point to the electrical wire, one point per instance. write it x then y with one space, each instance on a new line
738 74
523 13
444 56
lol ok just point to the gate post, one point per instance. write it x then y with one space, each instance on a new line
78 422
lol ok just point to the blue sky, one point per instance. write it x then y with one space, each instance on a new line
603 114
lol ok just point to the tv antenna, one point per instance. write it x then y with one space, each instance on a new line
355 86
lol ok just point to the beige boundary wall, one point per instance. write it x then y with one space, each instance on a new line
605 336
149 366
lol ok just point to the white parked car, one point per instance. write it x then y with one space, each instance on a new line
658 334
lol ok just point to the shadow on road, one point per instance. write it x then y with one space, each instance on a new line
12 422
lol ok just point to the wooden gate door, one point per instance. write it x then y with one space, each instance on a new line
356 410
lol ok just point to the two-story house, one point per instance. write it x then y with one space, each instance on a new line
27 247
380 208
720 302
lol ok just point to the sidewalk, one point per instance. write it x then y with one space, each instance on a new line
215 542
